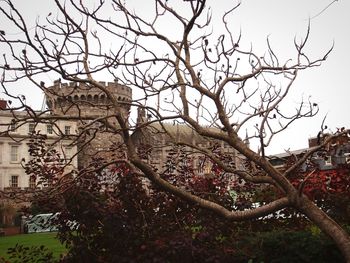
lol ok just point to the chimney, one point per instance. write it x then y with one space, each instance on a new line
57 83
141 116
3 104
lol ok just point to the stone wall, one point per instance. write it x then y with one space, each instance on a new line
92 109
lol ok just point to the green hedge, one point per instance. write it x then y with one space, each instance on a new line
288 246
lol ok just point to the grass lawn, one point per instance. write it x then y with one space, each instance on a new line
36 239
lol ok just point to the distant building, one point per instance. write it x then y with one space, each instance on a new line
14 139
73 107
335 154
85 104
91 109
155 143
79 108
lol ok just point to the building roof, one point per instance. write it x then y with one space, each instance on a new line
180 132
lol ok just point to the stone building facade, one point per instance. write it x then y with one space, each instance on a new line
335 154
14 139
89 104
83 110
90 108
155 142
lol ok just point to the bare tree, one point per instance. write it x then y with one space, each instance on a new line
190 74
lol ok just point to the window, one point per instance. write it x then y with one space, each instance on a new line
13 127
32 182
66 130
31 127
14 181
68 152
14 153
208 167
328 160
201 165
49 129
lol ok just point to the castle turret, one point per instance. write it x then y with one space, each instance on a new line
141 116
246 140
81 99
87 103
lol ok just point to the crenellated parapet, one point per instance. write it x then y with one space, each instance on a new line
84 102
80 98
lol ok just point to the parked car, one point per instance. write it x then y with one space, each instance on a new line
45 223
41 223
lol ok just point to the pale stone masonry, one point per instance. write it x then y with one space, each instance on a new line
78 108
91 109
14 139
157 141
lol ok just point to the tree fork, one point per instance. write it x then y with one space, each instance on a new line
326 224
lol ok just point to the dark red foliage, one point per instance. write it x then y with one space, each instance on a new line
319 184
329 189
121 217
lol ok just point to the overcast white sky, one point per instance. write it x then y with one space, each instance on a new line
281 21
329 84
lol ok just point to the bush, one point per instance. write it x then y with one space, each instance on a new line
33 254
286 246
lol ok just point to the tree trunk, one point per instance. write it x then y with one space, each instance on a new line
327 225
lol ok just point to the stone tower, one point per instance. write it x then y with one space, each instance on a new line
86 104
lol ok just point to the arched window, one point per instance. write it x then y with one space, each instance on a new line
59 101
96 99
103 99
49 104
